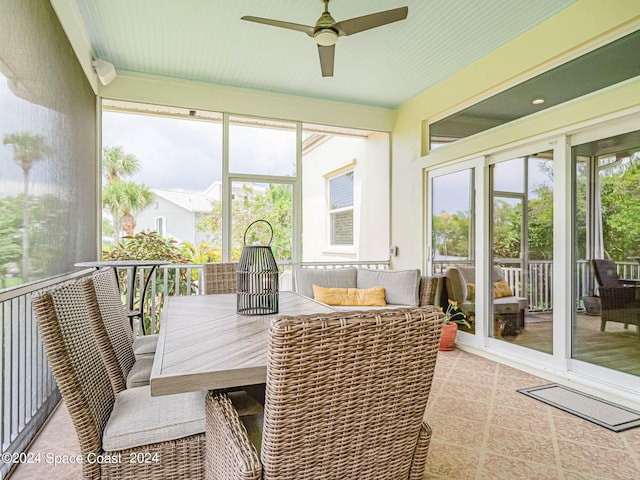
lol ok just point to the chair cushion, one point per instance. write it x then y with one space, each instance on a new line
335 277
401 287
350 296
140 419
145 345
501 289
140 372
471 292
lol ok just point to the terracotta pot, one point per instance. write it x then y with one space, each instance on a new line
448 336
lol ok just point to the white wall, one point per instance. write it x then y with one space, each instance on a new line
180 223
369 160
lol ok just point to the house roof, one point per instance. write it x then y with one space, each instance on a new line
196 202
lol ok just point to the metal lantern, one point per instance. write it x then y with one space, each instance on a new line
257 278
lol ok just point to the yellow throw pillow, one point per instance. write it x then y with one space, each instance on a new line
471 291
370 297
501 289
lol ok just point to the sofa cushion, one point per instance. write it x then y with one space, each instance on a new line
501 289
401 287
373 297
140 419
334 277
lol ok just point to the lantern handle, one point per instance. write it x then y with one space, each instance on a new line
251 224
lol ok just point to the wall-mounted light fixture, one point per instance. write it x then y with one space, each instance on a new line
105 70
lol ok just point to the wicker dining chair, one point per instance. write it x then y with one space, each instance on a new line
115 337
220 278
619 302
109 298
346 395
116 441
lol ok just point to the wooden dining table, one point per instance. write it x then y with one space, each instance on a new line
204 344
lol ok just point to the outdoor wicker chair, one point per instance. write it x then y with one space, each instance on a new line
619 302
109 296
116 441
220 278
115 337
346 396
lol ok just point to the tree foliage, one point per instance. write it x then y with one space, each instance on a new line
620 192
275 205
146 246
152 246
620 204
27 149
122 198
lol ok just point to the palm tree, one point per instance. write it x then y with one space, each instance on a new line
116 163
27 149
126 197
122 197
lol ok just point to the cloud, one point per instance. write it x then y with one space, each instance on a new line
174 153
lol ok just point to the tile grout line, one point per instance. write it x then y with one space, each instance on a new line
556 445
487 424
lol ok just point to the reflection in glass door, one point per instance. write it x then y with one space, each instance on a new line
522 251
606 327
452 239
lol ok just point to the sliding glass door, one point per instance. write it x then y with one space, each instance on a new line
521 276
606 327
451 241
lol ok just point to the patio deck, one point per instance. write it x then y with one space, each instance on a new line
616 348
482 429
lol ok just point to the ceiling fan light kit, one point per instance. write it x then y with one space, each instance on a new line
326 37
327 31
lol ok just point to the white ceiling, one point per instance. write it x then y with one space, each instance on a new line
205 40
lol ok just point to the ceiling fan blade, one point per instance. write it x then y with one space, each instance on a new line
360 24
277 23
327 55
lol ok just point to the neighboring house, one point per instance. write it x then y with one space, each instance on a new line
345 180
176 214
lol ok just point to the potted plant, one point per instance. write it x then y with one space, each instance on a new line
452 318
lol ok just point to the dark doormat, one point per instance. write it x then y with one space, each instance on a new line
598 411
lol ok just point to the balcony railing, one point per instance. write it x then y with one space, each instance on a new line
540 279
28 391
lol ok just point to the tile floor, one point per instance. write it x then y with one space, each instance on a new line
482 430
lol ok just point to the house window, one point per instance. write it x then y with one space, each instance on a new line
341 209
161 226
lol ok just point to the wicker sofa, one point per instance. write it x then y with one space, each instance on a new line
403 288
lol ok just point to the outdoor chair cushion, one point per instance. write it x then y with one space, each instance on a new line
140 419
330 278
401 287
501 289
145 345
140 372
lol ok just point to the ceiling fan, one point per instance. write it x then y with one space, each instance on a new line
327 31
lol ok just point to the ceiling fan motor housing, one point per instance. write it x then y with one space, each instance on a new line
323 32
